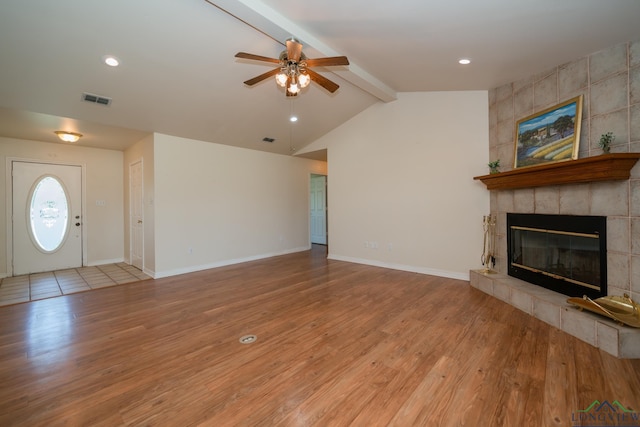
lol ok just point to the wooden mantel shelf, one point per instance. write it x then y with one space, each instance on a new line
606 167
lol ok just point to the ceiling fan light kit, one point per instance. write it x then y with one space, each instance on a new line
292 75
293 72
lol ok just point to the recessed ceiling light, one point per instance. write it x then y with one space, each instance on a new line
111 61
464 61
293 119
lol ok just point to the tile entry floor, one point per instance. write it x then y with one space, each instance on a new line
37 286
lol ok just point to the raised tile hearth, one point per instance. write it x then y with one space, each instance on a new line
552 308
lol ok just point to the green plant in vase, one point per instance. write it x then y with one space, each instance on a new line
494 167
605 141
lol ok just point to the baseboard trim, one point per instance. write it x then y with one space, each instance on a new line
105 261
403 267
223 263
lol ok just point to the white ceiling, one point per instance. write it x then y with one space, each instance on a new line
179 75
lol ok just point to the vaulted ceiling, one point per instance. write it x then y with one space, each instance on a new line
178 74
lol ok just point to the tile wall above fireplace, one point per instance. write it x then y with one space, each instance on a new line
609 80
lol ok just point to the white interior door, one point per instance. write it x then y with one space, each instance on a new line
136 233
318 209
47 217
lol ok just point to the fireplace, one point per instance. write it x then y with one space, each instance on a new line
564 253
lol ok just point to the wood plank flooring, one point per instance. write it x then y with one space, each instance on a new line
339 344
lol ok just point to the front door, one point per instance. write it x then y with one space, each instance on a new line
47 217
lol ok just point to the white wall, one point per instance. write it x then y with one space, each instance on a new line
216 204
102 224
401 176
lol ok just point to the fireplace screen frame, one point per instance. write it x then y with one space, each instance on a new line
566 225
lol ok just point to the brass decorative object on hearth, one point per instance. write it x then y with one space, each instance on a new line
623 309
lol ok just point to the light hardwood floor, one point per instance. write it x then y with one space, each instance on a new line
339 344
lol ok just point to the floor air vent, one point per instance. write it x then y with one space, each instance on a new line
96 99
248 339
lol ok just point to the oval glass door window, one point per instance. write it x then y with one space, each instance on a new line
48 214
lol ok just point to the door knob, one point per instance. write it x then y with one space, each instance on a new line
139 221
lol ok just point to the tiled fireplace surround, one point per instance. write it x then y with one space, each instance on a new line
609 81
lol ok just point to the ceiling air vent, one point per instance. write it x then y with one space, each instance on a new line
267 139
96 99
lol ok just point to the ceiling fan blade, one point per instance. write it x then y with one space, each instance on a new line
323 81
325 62
262 77
245 55
294 50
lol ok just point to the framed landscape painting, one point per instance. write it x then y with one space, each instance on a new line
552 135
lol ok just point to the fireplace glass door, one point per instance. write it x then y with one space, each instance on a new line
562 255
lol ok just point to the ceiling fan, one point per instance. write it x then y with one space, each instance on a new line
294 69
